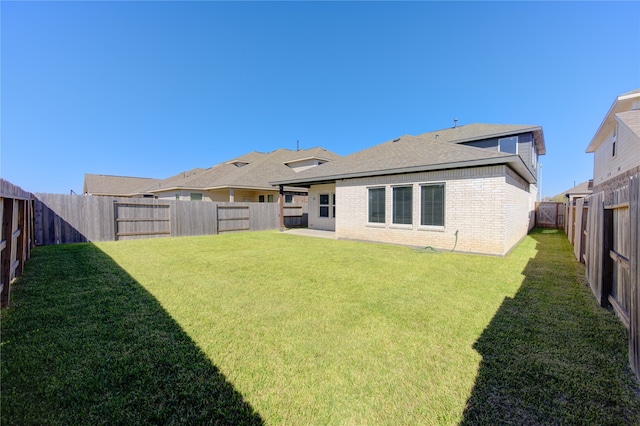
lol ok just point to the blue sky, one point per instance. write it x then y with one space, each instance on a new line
151 89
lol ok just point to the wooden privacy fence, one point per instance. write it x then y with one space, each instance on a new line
612 246
16 241
64 219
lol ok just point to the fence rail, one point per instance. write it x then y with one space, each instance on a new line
16 241
64 219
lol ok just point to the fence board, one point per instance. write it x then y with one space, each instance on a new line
634 274
593 246
578 230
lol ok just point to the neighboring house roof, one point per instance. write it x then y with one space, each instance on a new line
584 188
250 171
623 103
437 150
109 185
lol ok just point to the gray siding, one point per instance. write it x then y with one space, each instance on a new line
525 142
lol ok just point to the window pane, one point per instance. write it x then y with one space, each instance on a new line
261 198
432 205
402 205
196 197
508 145
270 198
376 205
324 205
288 198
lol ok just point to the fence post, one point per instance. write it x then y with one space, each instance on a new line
634 274
281 207
6 246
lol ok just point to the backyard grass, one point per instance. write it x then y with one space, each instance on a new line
263 327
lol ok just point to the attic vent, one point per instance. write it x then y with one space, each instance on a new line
397 140
437 137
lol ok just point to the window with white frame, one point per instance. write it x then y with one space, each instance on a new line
615 139
376 205
508 145
195 196
403 205
324 205
432 204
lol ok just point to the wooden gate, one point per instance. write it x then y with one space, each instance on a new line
550 215
141 220
233 218
619 253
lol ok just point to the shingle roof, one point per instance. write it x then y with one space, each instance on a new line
476 131
429 151
115 185
581 188
261 168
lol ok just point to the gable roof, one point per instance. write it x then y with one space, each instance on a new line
622 103
250 171
110 185
631 119
429 151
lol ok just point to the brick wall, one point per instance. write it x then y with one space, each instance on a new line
489 207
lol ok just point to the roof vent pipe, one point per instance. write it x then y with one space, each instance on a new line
455 123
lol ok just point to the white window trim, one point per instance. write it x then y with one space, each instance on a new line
392 224
510 137
432 227
386 217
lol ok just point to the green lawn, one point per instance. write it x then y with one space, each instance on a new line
264 327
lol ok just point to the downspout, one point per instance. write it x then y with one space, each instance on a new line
281 206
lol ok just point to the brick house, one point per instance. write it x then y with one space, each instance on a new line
473 187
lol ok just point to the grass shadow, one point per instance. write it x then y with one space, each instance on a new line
84 343
551 355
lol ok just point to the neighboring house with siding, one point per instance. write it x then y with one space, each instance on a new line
117 186
473 187
616 145
581 190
